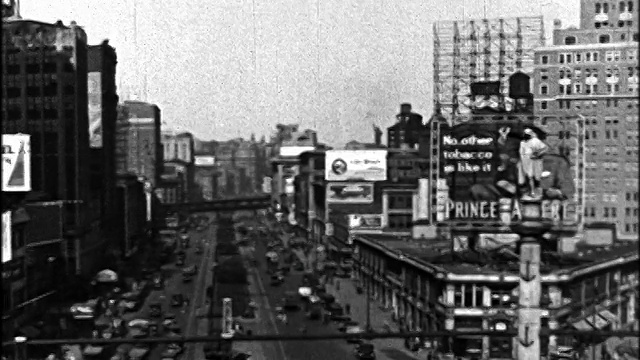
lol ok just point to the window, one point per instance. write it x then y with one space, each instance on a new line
594 57
570 40
544 89
605 8
401 201
544 59
569 58
621 6
544 75
587 57
598 8
543 105
630 6
561 58
578 57
577 88
604 39
400 221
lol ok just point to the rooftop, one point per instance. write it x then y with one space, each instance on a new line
439 254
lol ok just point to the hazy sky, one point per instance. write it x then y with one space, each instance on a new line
229 68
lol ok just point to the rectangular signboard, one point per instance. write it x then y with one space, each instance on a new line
94 95
291 151
350 193
6 237
16 162
488 169
365 221
205 160
366 165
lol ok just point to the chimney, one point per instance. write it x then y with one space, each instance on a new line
405 108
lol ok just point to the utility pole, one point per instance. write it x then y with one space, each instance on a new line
530 229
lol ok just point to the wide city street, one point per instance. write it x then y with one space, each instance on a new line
308 350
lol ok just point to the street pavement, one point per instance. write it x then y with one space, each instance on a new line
194 290
270 298
386 349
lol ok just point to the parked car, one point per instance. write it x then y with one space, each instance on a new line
365 351
177 300
172 351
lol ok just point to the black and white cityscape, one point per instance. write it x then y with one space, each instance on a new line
500 222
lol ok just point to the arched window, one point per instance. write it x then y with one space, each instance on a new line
621 6
598 8
570 40
605 8
604 39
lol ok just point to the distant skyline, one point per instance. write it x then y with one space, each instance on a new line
229 68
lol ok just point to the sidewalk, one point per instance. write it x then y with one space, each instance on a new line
392 348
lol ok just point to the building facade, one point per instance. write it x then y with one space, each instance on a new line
405 133
431 288
144 143
103 116
593 71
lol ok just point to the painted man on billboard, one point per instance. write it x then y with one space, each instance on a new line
532 150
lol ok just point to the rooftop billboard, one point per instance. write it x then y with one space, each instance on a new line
487 169
345 165
205 160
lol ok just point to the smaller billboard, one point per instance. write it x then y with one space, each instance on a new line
365 221
6 237
205 160
94 95
294 150
16 162
367 165
350 193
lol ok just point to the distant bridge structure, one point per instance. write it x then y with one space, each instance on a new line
255 202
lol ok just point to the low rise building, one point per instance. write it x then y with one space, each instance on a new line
431 286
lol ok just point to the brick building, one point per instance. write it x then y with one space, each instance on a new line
593 71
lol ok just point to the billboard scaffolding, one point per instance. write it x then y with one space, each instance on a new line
480 50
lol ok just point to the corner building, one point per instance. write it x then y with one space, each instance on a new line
593 71
430 287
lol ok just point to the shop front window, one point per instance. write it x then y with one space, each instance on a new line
500 347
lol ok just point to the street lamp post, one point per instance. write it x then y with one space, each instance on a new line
20 347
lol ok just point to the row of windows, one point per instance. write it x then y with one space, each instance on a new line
45 68
586 104
623 6
590 89
631 211
590 56
609 166
631 228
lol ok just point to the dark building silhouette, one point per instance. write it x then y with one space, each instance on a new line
102 60
406 131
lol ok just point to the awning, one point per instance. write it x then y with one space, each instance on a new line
582 325
107 276
609 316
597 321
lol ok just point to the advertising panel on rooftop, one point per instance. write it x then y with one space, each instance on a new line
487 169
94 90
205 160
364 165
350 193
16 162
292 151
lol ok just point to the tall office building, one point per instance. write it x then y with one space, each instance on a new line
144 145
593 71
467 52
103 113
